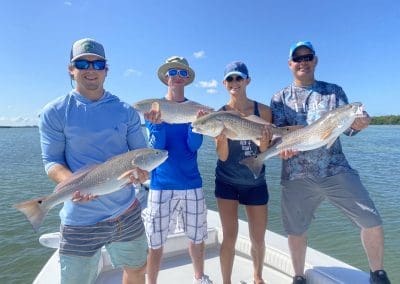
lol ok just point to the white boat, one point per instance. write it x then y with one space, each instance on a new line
176 265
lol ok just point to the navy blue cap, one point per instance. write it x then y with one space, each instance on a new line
236 68
300 44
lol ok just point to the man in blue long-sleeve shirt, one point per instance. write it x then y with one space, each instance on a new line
176 192
83 128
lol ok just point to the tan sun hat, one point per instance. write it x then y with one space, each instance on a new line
175 62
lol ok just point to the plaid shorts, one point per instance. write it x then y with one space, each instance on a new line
169 211
123 238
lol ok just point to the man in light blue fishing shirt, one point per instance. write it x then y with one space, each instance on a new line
86 127
310 177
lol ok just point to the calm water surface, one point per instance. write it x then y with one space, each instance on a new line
375 153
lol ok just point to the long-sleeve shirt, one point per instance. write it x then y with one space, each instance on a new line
77 133
180 171
295 105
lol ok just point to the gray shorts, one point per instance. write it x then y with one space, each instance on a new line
300 198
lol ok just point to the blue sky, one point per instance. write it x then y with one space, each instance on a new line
357 43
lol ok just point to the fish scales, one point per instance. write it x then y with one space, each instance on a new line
234 126
172 112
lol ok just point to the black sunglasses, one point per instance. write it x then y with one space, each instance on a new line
303 58
83 64
231 78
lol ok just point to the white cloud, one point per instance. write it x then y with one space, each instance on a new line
68 3
199 54
208 84
132 72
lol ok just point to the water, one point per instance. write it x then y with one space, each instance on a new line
374 153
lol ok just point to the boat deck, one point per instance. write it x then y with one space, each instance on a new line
179 269
176 266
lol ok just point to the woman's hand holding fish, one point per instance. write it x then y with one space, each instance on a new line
221 142
201 113
266 138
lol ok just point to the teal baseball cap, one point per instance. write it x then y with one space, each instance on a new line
296 45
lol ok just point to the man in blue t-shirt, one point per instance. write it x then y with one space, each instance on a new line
311 176
86 127
176 195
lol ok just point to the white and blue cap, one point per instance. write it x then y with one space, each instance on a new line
87 46
236 68
300 44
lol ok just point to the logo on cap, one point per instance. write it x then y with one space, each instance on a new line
88 46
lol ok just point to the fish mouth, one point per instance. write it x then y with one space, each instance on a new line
359 109
195 129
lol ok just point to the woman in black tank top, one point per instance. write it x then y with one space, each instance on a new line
234 183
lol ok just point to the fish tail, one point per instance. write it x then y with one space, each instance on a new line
34 211
254 163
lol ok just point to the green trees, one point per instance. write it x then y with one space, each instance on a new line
386 119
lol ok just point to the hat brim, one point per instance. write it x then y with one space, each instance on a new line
170 65
86 54
235 73
297 47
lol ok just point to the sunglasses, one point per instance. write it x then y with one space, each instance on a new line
303 58
231 78
83 64
173 72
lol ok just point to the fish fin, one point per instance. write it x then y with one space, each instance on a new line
254 163
326 134
33 211
155 106
256 141
229 133
256 119
127 174
198 105
330 143
75 176
232 112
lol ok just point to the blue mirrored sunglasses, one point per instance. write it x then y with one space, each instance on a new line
182 72
83 64
301 58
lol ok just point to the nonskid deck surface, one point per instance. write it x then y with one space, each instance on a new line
179 269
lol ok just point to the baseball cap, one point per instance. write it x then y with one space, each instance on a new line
299 44
87 46
236 68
